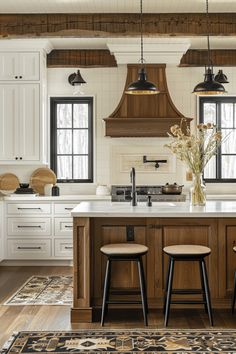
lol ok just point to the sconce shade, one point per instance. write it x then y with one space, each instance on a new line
76 79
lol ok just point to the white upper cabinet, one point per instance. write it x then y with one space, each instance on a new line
19 66
19 123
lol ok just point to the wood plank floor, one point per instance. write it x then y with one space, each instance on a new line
19 318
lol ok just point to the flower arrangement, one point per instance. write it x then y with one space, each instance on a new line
195 150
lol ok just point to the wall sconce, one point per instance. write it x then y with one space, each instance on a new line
76 80
156 162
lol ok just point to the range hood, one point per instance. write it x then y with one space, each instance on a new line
148 115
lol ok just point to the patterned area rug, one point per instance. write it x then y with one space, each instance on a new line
44 290
124 341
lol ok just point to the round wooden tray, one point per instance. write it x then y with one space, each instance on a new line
8 183
40 178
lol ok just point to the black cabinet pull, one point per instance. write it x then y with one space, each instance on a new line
29 226
16 158
68 247
16 77
68 208
20 77
29 208
20 158
68 226
29 248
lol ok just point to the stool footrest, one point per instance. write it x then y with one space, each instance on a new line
122 302
187 291
188 302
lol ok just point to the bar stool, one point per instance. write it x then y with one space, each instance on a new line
234 291
193 253
124 252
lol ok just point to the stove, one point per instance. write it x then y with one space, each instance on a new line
123 194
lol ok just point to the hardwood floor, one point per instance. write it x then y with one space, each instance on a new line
19 318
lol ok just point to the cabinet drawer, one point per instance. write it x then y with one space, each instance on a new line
64 209
22 209
63 248
63 226
29 226
28 249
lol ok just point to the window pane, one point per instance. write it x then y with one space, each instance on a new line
228 168
80 141
81 115
80 167
64 141
64 167
210 169
229 141
209 113
227 115
64 115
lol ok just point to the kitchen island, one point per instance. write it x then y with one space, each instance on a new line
163 224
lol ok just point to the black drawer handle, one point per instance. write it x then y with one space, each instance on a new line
29 248
29 226
68 247
68 226
68 208
29 208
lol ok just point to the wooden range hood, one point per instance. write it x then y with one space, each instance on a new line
148 115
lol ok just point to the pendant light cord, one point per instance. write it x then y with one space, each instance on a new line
209 60
141 30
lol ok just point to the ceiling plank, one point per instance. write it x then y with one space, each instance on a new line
197 57
65 58
108 25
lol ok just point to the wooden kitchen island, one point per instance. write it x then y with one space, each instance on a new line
163 224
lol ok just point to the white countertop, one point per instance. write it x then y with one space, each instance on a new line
213 208
59 198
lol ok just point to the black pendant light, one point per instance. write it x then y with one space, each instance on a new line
221 77
76 79
209 86
142 86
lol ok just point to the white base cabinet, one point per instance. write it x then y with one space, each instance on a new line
38 230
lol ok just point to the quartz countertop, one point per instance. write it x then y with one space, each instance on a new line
213 208
75 198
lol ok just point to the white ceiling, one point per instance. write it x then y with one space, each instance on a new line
116 6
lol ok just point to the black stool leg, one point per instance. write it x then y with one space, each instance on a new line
106 291
166 286
169 291
144 284
203 287
142 288
234 293
207 291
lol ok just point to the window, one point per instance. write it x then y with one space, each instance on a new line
72 138
222 112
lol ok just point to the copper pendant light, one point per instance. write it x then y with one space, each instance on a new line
142 86
209 86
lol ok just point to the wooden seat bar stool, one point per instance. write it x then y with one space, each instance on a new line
234 290
124 252
190 253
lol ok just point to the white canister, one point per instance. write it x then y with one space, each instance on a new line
48 189
102 189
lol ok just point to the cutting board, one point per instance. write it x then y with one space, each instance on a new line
8 183
40 178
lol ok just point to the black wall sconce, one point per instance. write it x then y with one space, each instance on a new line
76 79
156 162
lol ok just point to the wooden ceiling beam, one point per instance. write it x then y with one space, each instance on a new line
114 25
197 57
82 58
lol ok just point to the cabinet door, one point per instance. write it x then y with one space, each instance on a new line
29 66
9 134
29 122
1 233
8 66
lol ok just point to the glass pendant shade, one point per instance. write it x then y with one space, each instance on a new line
76 79
221 77
209 86
142 86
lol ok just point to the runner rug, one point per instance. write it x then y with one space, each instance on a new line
44 290
124 341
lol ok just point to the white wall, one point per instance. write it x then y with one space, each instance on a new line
106 85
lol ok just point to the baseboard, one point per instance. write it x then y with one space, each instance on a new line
17 263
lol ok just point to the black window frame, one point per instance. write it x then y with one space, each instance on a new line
53 136
218 100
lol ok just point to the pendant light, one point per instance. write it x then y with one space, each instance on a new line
209 86
221 77
142 86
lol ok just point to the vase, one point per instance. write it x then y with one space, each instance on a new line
198 191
